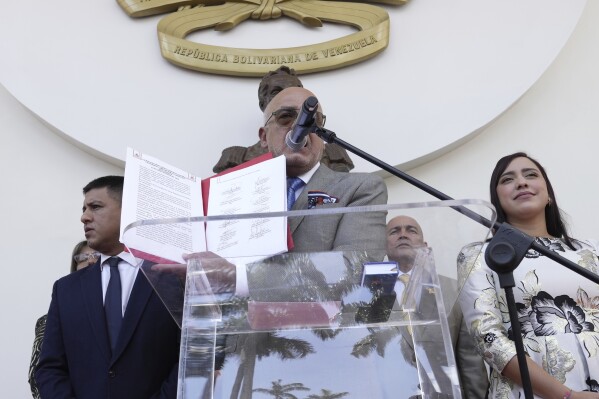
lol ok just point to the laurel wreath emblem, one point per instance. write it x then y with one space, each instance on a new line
371 38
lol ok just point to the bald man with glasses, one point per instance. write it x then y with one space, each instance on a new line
317 186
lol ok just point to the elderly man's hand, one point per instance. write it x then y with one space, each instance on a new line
179 270
220 272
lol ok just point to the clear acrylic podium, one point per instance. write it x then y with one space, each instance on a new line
301 323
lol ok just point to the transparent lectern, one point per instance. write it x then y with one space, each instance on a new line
332 323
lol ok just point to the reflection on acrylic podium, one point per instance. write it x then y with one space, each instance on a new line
302 324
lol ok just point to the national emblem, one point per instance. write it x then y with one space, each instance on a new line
371 39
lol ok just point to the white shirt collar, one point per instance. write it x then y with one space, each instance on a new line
125 256
308 175
409 272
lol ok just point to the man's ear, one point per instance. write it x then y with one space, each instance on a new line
262 136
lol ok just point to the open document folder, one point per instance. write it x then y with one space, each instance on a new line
156 190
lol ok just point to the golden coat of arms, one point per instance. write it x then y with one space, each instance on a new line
187 16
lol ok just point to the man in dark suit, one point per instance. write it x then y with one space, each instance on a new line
404 237
86 352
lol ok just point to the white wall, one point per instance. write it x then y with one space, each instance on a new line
556 121
41 201
437 49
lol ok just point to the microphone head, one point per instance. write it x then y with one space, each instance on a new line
296 139
292 144
311 103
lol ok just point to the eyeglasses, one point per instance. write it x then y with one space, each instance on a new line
285 117
86 257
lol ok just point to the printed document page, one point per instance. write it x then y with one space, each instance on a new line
156 190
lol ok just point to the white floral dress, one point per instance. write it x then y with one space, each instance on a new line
558 312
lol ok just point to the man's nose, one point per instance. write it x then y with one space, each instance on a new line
85 217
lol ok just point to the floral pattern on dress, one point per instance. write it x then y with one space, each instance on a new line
550 243
593 385
529 286
548 316
557 361
588 260
587 302
502 387
468 261
551 316
558 313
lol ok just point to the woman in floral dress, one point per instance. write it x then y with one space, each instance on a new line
558 309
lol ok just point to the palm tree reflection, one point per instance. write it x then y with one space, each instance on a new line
326 394
283 391
256 346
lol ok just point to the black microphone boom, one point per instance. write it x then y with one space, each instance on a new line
304 125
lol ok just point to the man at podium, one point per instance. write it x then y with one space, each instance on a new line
294 282
313 185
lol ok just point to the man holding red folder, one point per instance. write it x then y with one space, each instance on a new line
322 187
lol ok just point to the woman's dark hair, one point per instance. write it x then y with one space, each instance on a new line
77 251
553 217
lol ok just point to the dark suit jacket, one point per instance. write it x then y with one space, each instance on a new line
338 232
76 359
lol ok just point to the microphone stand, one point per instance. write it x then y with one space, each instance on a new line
504 253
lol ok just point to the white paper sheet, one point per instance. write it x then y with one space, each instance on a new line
156 190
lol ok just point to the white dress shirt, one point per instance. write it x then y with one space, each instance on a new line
306 179
399 285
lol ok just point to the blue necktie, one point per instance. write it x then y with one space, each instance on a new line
293 184
113 305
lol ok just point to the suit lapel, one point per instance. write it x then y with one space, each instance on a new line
140 294
320 179
91 287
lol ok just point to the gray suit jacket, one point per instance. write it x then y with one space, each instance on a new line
360 235
297 278
340 232
470 365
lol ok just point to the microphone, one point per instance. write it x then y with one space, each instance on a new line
296 138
